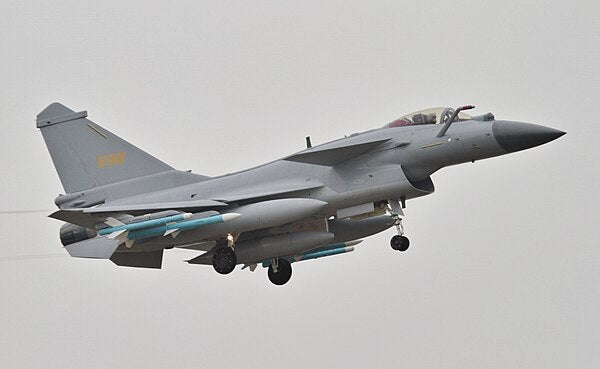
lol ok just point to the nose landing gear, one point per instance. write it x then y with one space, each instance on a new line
399 242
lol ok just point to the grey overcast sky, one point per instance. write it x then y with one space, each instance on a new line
504 266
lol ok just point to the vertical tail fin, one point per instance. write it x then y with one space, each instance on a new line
86 155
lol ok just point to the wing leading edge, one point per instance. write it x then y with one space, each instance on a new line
332 156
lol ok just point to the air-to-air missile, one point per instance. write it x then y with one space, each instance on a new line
329 250
170 225
138 228
173 228
320 254
145 224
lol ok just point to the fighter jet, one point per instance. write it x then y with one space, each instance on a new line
123 204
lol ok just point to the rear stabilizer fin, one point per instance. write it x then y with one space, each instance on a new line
86 155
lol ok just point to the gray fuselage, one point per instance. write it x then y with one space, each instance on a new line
400 168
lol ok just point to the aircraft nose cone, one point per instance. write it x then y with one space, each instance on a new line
516 136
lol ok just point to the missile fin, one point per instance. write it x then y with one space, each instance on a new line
120 235
112 222
173 232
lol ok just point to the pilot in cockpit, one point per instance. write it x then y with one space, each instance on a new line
420 118
427 116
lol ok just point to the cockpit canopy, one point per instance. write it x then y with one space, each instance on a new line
427 116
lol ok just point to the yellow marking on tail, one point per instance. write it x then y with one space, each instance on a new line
110 160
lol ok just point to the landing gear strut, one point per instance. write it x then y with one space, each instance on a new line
224 260
399 242
280 271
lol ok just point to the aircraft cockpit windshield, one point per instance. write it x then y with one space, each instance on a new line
427 116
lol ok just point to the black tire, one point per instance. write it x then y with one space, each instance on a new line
400 243
283 275
224 260
395 242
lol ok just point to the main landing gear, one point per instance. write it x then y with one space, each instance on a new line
280 271
399 242
224 259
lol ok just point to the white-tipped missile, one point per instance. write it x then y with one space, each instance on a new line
120 228
353 243
173 228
